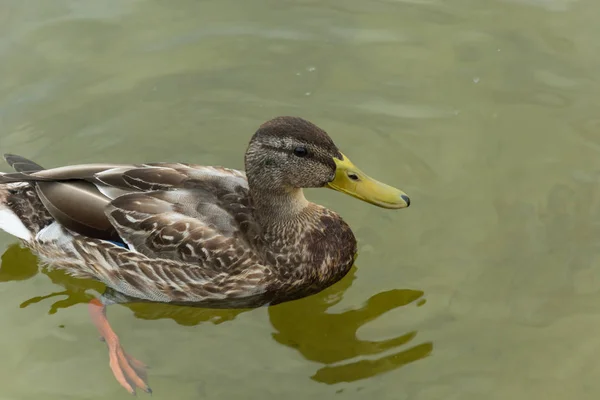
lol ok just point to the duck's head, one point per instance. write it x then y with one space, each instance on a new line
290 153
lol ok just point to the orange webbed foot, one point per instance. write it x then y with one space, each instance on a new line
128 371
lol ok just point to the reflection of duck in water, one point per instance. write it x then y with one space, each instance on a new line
308 326
330 337
189 234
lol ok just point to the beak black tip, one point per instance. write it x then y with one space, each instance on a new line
406 199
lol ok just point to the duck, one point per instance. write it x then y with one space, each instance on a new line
195 235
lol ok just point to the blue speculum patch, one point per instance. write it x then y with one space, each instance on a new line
123 245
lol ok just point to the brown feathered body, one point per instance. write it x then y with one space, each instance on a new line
179 233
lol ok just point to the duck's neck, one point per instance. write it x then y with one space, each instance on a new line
280 207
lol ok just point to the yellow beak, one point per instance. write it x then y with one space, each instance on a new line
351 180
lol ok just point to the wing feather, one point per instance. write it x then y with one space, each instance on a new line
185 213
174 225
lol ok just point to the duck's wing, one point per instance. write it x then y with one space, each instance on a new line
186 225
131 203
159 196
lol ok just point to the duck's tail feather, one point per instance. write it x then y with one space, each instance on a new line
22 214
22 164
23 168
9 220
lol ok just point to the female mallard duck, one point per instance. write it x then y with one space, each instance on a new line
191 234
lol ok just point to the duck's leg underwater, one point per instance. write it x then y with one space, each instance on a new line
128 371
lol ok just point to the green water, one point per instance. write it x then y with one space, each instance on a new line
485 112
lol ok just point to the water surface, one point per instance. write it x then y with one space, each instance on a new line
485 113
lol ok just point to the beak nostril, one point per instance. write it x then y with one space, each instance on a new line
406 199
353 176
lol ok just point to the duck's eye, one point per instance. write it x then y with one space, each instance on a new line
300 151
